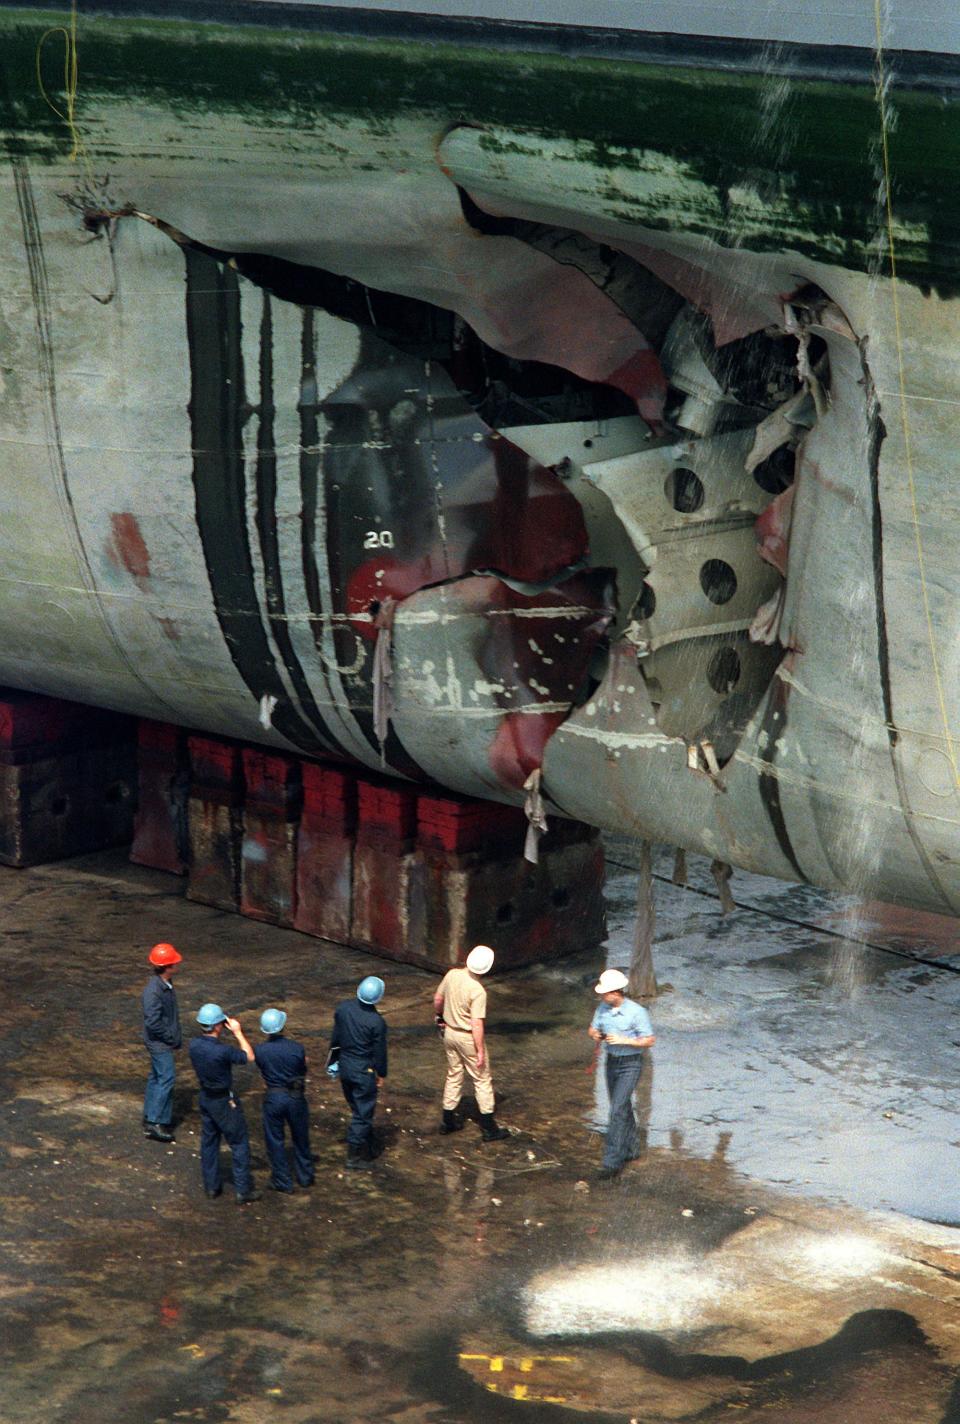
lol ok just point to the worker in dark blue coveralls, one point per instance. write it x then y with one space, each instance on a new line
220 1113
283 1064
162 1037
359 1043
624 1028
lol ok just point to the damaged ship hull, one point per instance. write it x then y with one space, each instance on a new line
477 400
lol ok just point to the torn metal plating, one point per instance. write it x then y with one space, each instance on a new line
685 488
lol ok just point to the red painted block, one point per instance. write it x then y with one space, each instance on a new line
268 851
321 781
386 826
79 800
160 833
324 878
213 877
271 779
34 727
215 822
268 867
216 767
330 795
459 825
389 810
527 913
381 872
160 737
28 719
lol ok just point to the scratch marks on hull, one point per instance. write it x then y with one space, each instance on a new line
877 435
774 724
40 293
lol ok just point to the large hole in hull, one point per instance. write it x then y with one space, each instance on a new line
698 577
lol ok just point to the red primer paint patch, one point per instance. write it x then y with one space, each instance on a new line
643 380
773 531
127 547
170 629
519 744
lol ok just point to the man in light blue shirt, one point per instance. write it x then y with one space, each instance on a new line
626 1030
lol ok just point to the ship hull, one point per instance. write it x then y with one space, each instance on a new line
223 449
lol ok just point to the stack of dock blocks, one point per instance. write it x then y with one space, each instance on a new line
343 855
68 776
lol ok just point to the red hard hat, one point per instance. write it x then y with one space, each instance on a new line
164 954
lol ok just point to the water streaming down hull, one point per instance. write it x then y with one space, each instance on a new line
540 330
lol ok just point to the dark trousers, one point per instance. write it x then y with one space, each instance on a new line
280 1107
360 1090
158 1099
623 1075
218 1119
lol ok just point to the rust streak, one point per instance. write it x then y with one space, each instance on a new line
127 548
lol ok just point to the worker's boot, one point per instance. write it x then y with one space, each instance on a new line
489 1129
452 1121
359 1159
158 1132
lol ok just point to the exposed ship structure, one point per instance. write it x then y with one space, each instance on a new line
482 400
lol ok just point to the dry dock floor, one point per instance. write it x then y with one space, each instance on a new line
786 1250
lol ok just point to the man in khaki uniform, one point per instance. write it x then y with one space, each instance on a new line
460 1004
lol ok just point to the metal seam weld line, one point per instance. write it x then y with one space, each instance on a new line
904 417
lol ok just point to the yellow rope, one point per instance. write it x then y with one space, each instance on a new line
70 80
904 416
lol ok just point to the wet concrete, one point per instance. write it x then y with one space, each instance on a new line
749 1266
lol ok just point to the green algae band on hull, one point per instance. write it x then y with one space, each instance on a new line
781 153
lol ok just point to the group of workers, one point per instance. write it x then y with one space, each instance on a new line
358 1059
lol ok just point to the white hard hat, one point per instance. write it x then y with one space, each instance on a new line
609 980
480 959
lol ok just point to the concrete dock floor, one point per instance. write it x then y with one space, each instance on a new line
786 1250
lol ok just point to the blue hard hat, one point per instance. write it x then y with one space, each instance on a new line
272 1020
371 990
210 1015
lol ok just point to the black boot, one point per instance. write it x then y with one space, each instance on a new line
489 1130
158 1132
452 1122
375 1146
358 1159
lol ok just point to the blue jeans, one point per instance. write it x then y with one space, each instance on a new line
622 1142
158 1099
280 1107
218 1119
